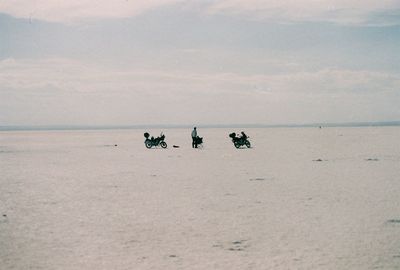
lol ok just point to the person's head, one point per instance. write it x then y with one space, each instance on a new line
194 128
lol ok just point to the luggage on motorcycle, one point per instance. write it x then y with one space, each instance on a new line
146 135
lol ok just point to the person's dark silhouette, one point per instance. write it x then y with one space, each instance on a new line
194 138
244 136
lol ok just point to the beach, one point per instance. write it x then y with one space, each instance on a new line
299 198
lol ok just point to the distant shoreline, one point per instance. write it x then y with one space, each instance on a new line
127 127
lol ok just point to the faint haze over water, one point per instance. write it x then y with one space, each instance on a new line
163 62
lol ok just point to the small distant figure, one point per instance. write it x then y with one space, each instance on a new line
244 136
194 138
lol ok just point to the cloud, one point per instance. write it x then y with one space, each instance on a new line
29 73
62 91
351 12
72 11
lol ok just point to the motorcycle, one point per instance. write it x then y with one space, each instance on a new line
199 141
240 141
159 141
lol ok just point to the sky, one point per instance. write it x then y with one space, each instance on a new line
219 62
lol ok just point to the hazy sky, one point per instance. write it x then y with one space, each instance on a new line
126 62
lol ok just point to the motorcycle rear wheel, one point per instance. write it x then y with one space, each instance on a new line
237 144
148 144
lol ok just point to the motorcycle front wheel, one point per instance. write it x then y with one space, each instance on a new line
163 144
247 143
148 144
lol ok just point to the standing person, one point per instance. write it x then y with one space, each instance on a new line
244 136
194 138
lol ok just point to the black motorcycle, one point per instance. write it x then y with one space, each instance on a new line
240 141
159 141
199 141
